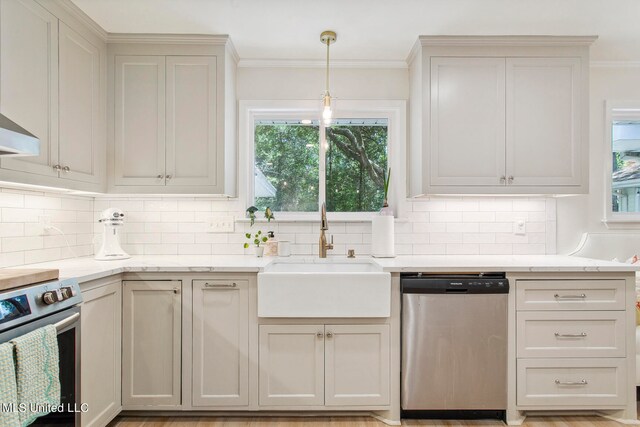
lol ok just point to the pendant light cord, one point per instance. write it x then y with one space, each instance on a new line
328 44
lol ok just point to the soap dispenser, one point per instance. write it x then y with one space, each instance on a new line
271 246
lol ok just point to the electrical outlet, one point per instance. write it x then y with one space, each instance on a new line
222 224
520 227
45 223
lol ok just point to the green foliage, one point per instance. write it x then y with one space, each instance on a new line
255 239
288 155
356 160
251 210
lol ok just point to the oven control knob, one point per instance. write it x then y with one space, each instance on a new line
49 297
67 292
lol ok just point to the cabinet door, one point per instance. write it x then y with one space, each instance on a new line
151 341
139 120
29 84
220 343
81 136
357 365
467 121
544 121
192 151
101 322
291 365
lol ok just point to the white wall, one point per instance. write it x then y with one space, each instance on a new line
585 213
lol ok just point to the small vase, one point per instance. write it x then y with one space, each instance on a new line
259 251
386 209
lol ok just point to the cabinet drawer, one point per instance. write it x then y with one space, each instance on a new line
571 382
570 294
571 334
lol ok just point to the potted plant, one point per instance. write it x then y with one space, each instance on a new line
257 239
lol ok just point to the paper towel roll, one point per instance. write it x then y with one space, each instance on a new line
382 237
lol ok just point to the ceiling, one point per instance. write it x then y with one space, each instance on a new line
380 30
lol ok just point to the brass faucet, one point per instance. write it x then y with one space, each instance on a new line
324 225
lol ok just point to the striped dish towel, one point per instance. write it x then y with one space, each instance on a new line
37 372
8 391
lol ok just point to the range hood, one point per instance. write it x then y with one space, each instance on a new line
16 141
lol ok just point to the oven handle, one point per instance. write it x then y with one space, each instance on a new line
66 322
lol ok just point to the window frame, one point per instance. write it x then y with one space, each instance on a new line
615 111
394 111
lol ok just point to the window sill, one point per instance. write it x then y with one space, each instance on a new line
315 218
622 223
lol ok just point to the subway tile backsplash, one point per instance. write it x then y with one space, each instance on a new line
181 226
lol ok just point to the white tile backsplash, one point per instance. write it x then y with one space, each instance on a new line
181 226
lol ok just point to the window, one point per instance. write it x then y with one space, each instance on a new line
300 164
622 195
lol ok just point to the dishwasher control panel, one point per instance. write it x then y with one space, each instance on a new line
486 283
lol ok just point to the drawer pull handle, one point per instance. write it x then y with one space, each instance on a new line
220 285
580 335
581 296
583 382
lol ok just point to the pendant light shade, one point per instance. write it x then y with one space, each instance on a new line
327 37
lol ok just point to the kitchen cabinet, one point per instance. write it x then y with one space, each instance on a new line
151 341
324 365
220 356
101 321
570 343
81 133
499 115
173 117
52 85
29 83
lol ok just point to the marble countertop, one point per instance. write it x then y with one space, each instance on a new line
87 269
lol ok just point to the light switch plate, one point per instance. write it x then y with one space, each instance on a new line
222 224
520 227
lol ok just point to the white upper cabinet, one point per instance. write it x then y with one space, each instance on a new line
29 83
173 121
53 84
139 120
499 115
467 121
544 120
81 124
192 152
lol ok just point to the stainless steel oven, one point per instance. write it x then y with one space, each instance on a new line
56 303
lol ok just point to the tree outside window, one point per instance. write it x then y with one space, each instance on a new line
289 154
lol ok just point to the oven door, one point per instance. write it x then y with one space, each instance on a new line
68 324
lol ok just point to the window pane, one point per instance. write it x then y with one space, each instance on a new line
625 180
356 164
286 166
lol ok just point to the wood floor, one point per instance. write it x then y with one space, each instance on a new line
344 422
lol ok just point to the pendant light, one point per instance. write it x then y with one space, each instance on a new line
327 37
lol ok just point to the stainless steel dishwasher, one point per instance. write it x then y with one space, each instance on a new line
454 344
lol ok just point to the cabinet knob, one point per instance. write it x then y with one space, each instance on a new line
160 176
168 177
320 335
329 335
66 169
510 179
176 291
57 168
503 179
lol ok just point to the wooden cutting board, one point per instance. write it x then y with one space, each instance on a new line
16 277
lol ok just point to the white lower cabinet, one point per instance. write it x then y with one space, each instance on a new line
571 382
324 365
101 322
220 343
291 365
152 342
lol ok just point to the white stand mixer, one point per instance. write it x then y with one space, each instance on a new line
111 219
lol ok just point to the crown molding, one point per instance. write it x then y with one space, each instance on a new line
211 39
314 63
507 40
71 8
614 64
414 51
231 49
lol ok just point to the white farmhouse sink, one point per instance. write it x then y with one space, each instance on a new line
340 288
